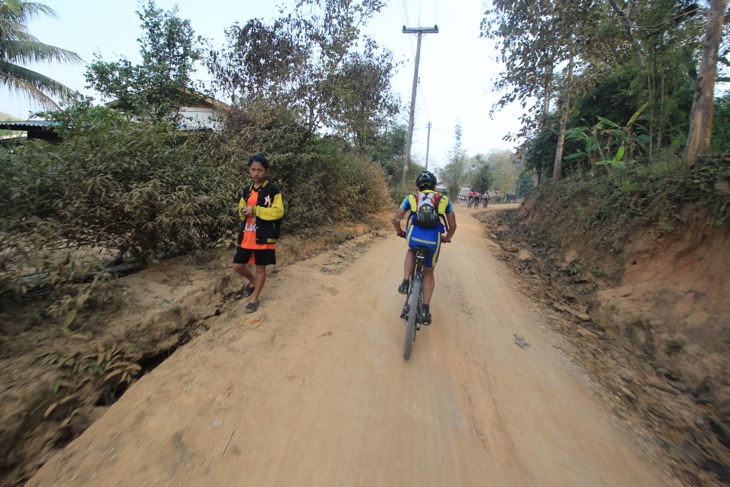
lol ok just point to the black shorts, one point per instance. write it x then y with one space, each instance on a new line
258 257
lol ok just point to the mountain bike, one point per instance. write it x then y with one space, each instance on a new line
412 308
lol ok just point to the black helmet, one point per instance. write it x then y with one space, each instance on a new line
426 180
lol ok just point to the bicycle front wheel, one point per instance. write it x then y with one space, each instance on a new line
412 314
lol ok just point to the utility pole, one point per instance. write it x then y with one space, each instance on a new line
428 142
419 31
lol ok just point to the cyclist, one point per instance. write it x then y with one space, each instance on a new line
418 235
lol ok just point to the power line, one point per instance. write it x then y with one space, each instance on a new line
405 12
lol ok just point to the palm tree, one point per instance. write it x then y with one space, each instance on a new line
18 46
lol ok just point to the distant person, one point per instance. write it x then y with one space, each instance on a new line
420 234
261 209
485 198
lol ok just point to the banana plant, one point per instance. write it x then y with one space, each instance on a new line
606 143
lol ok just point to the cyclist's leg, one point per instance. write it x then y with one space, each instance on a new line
429 284
409 265
429 281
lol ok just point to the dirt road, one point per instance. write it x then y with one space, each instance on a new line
312 390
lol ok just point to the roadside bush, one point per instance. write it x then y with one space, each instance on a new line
131 186
321 180
609 207
118 186
110 184
322 186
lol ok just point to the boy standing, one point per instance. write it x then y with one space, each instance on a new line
261 209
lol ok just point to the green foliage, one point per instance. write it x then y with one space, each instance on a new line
721 124
321 185
114 186
625 58
539 152
111 366
608 209
482 178
315 62
360 98
113 183
525 184
161 84
536 38
607 143
389 150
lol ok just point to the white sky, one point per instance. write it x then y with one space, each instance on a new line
456 72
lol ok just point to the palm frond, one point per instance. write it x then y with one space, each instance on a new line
38 87
34 51
19 47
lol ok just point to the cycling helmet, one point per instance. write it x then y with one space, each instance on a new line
426 180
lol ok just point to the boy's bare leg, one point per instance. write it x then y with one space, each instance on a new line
243 270
260 279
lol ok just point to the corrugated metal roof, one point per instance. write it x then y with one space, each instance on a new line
26 124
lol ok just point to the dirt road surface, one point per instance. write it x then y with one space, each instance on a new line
312 390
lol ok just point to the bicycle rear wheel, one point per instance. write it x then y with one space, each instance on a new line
412 314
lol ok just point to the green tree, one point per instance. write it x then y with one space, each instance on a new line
162 83
18 47
721 124
361 101
504 171
529 51
389 150
311 61
482 177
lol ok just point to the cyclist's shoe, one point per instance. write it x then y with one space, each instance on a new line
404 311
425 317
403 288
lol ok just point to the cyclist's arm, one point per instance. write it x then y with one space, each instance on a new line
397 217
451 220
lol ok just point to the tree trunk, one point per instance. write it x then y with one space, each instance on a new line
699 140
558 166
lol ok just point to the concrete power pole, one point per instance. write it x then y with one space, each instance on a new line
428 142
419 31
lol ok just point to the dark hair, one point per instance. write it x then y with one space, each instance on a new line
259 158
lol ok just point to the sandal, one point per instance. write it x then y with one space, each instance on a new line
251 307
247 291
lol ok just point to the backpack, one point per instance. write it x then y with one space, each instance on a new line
426 209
